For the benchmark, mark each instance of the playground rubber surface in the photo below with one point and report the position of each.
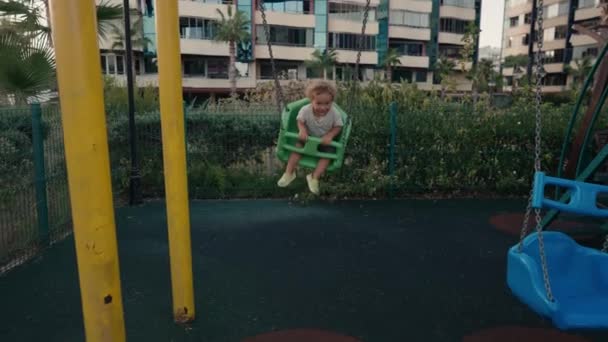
(276, 271)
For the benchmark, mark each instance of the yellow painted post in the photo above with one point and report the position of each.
(88, 168)
(174, 157)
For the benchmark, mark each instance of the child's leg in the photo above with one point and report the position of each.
(289, 174)
(293, 160)
(321, 167)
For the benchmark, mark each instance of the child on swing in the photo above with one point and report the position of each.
(317, 119)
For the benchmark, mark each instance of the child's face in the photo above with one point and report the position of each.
(321, 103)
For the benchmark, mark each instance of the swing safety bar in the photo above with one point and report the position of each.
(583, 196)
(311, 147)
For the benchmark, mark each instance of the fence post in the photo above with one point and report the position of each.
(391, 161)
(40, 174)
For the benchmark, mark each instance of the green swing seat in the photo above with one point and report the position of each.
(288, 137)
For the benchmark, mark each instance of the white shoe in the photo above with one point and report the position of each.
(313, 184)
(286, 179)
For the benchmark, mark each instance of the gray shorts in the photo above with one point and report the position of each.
(322, 148)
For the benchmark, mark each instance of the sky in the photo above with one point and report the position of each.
(491, 22)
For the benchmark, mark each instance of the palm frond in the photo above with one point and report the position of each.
(107, 13)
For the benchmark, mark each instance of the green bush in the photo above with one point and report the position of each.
(443, 146)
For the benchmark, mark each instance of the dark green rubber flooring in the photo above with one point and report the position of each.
(383, 271)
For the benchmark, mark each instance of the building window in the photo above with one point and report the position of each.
(553, 56)
(197, 28)
(459, 3)
(194, 66)
(528, 18)
(217, 68)
(285, 70)
(350, 11)
(289, 6)
(452, 25)
(556, 10)
(349, 41)
(525, 39)
(408, 48)
(410, 19)
(513, 21)
(588, 3)
(561, 32)
(112, 64)
(450, 51)
(284, 35)
(558, 79)
(409, 75)
(579, 52)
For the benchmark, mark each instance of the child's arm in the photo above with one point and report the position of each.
(302, 131)
(327, 138)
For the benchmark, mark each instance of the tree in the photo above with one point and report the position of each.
(232, 29)
(580, 71)
(322, 61)
(443, 70)
(138, 40)
(27, 17)
(391, 59)
(27, 68)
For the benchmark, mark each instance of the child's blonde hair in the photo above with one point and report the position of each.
(317, 87)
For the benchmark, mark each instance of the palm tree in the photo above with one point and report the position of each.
(580, 71)
(27, 68)
(27, 16)
(138, 40)
(391, 59)
(232, 29)
(444, 68)
(322, 61)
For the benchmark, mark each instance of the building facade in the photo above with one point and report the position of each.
(419, 30)
(563, 46)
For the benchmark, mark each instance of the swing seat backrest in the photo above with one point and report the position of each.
(288, 138)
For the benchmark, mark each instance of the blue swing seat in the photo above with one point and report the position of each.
(583, 196)
(578, 277)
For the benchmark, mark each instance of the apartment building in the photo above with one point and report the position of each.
(562, 45)
(420, 30)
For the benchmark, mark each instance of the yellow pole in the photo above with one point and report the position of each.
(174, 156)
(88, 168)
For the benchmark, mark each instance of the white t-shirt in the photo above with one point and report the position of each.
(318, 126)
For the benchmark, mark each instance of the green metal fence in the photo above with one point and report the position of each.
(34, 201)
(231, 154)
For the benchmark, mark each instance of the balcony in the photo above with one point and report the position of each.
(194, 82)
(197, 8)
(286, 19)
(350, 26)
(407, 32)
(414, 61)
(451, 38)
(413, 5)
(203, 47)
(350, 56)
(292, 53)
(587, 13)
(457, 12)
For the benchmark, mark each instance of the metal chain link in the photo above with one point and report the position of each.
(605, 246)
(361, 37)
(277, 84)
(355, 77)
(540, 74)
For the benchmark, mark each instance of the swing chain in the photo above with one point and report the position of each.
(361, 37)
(605, 246)
(540, 73)
(277, 84)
